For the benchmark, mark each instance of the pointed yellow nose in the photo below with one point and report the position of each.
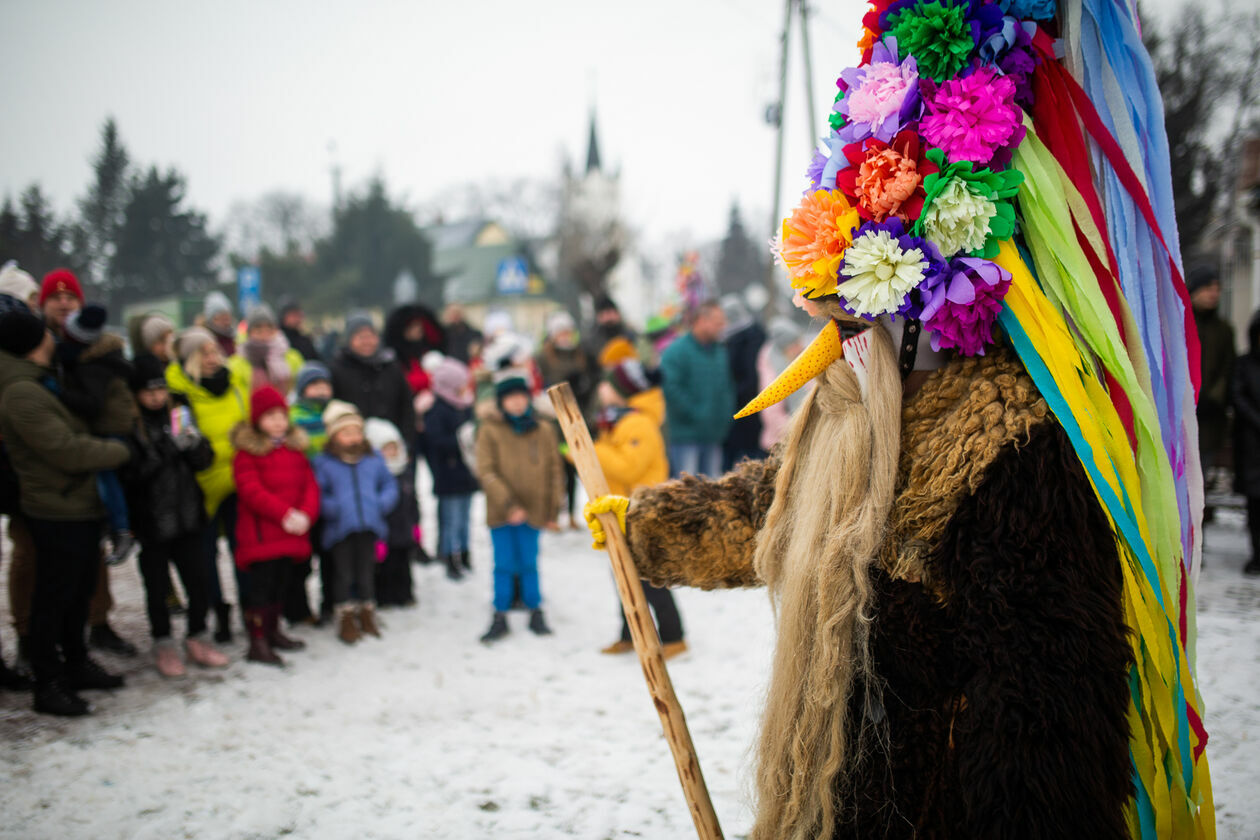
(813, 360)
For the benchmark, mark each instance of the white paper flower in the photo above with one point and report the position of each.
(879, 273)
(957, 219)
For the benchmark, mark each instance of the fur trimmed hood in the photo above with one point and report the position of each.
(102, 347)
(248, 439)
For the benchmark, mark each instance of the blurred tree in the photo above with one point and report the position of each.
(32, 235)
(1206, 69)
(161, 248)
(527, 207)
(101, 210)
(283, 223)
(740, 262)
(377, 239)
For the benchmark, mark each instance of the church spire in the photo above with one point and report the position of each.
(592, 149)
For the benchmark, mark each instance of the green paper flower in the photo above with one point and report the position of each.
(939, 36)
(967, 210)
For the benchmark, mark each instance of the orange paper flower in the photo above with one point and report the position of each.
(814, 239)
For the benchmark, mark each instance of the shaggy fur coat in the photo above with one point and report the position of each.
(999, 631)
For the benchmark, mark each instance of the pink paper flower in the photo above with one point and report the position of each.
(973, 117)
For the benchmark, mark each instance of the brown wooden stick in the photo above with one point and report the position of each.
(642, 629)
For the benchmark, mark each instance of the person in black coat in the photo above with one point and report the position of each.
(291, 322)
(462, 342)
(744, 340)
(1246, 400)
(368, 377)
(453, 481)
(168, 512)
(411, 331)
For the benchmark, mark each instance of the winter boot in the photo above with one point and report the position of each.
(166, 657)
(498, 628)
(367, 619)
(347, 627)
(465, 560)
(223, 623)
(54, 697)
(13, 679)
(538, 624)
(453, 570)
(86, 675)
(205, 654)
(671, 649)
(103, 637)
(123, 542)
(275, 636)
(259, 649)
(419, 555)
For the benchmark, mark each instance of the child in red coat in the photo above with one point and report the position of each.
(278, 500)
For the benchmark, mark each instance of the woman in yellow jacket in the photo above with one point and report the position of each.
(218, 397)
(631, 451)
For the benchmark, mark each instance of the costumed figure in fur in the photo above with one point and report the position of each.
(981, 531)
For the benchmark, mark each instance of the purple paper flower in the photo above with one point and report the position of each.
(815, 170)
(880, 97)
(961, 305)
(1009, 50)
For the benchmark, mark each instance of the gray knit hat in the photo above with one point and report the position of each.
(311, 372)
(261, 315)
(191, 340)
(153, 328)
(359, 320)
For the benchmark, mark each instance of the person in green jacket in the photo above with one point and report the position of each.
(219, 399)
(699, 395)
(56, 462)
(312, 390)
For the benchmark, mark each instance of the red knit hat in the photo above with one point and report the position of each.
(263, 400)
(57, 281)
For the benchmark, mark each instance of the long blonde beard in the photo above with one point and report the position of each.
(822, 534)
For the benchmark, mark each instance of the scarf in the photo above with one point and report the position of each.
(217, 384)
(522, 423)
(267, 359)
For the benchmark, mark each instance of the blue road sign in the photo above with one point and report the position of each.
(248, 288)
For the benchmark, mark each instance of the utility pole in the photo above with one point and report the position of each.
(774, 115)
(777, 111)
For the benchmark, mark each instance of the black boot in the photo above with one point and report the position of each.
(12, 679)
(103, 637)
(498, 628)
(85, 675)
(453, 571)
(53, 697)
(465, 560)
(538, 624)
(223, 623)
(419, 555)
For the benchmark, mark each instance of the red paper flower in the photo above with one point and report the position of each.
(886, 179)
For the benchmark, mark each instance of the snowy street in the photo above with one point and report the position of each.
(426, 733)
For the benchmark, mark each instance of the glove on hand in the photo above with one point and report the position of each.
(604, 504)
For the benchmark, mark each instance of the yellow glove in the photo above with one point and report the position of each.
(604, 504)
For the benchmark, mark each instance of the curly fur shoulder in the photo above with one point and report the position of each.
(246, 438)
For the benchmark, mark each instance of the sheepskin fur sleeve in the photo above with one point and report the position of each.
(694, 531)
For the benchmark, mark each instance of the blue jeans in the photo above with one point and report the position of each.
(515, 556)
(453, 514)
(695, 458)
(110, 489)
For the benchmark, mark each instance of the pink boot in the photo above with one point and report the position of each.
(166, 657)
(205, 654)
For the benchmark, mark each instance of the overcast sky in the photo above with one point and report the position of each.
(248, 97)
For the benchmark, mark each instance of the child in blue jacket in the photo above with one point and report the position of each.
(357, 493)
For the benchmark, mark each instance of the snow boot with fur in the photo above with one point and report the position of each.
(367, 619)
(347, 626)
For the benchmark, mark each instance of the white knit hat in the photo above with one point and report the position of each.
(338, 414)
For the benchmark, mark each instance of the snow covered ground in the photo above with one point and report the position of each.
(428, 734)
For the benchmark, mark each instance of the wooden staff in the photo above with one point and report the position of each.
(647, 644)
